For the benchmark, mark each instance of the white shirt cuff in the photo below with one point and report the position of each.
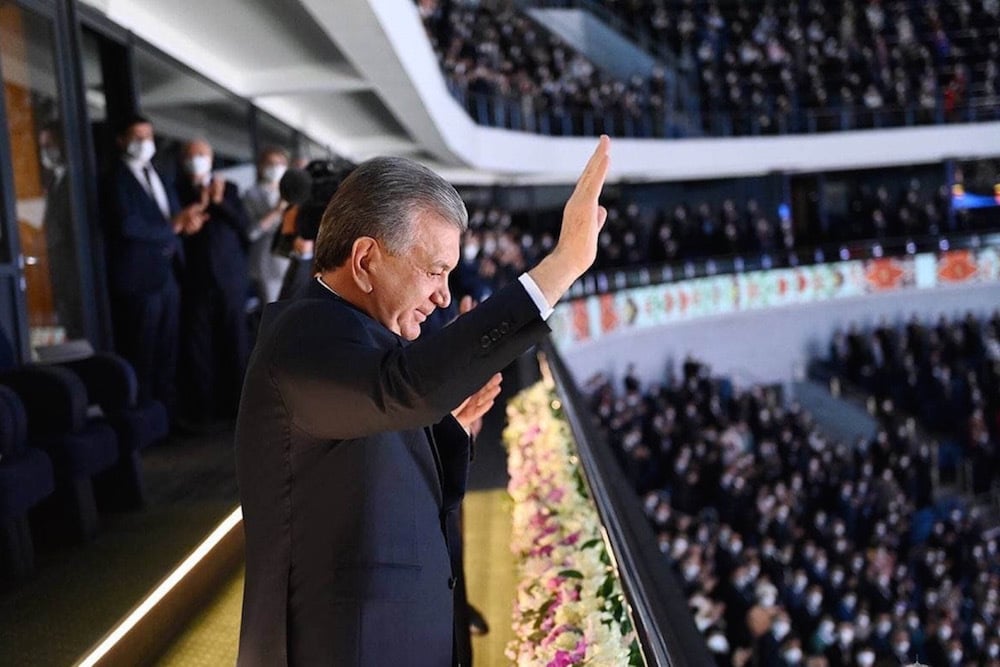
(531, 287)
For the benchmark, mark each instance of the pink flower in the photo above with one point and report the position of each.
(562, 659)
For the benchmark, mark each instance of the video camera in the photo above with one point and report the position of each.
(311, 190)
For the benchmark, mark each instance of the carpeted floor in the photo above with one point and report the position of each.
(211, 637)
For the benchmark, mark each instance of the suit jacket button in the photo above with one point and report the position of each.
(504, 327)
(484, 341)
(452, 581)
(495, 335)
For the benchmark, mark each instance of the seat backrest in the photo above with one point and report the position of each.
(13, 423)
(8, 359)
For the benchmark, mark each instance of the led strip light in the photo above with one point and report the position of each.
(162, 589)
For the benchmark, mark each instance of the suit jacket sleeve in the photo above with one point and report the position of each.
(338, 382)
(132, 214)
(232, 212)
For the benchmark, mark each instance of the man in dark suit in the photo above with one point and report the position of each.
(57, 223)
(143, 222)
(352, 447)
(216, 284)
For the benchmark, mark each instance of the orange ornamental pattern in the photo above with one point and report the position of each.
(957, 266)
(885, 275)
(623, 312)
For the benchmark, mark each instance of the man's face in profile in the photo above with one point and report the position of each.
(408, 287)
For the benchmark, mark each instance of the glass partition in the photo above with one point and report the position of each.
(45, 217)
(183, 106)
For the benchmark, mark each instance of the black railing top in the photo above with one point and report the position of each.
(660, 612)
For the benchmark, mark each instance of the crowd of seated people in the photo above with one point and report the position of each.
(782, 67)
(793, 549)
(860, 64)
(635, 235)
(946, 375)
(492, 51)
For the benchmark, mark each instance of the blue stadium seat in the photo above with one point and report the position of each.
(80, 445)
(112, 387)
(25, 479)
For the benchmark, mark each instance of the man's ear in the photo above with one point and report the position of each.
(365, 259)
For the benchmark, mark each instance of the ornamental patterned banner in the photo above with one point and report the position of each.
(593, 317)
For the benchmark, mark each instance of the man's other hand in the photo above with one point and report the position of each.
(470, 413)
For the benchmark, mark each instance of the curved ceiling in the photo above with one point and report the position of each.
(360, 77)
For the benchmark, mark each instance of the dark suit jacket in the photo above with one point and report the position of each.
(349, 463)
(217, 255)
(142, 247)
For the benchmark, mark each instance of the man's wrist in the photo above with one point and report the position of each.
(531, 287)
(553, 276)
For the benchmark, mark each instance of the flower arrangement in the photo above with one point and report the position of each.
(569, 608)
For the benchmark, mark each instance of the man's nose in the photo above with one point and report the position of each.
(442, 297)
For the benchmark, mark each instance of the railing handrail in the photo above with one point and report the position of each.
(798, 120)
(660, 612)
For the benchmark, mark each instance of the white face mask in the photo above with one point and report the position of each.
(141, 150)
(866, 659)
(51, 157)
(198, 165)
(793, 656)
(718, 644)
(272, 173)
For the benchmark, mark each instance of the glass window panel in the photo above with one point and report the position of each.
(93, 78)
(41, 179)
(183, 106)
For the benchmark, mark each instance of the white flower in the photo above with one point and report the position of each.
(557, 537)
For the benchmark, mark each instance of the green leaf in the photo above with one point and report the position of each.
(571, 574)
(635, 655)
(543, 611)
(606, 588)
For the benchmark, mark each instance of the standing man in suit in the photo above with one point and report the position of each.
(214, 327)
(352, 444)
(143, 224)
(57, 223)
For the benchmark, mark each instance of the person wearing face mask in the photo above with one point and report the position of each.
(791, 653)
(264, 207)
(719, 647)
(841, 652)
(144, 223)
(865, 657)
(937, 645)
(214, 329)
(57, 225)
(768, 646)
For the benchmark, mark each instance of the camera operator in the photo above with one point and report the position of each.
(308, 192)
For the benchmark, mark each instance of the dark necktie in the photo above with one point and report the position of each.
(149, 182)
